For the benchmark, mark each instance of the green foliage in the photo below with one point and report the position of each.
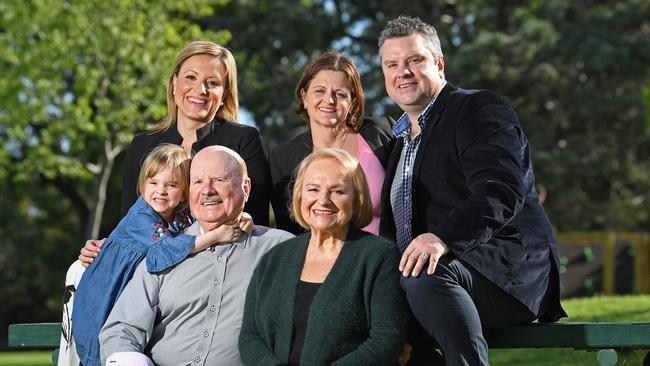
(78, 79)
(576, 72)
(77, 75)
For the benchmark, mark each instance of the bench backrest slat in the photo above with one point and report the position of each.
(35, 335)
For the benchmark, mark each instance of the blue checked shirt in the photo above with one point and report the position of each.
(401, 192)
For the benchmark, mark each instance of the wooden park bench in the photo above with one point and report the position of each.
(36, 336)
(615, 343)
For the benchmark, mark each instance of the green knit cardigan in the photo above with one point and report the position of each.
(358, 316)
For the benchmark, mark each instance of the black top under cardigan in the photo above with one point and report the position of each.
(285, 158)
(358, 316)
(243, 139)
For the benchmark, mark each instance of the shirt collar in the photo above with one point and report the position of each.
(171, 134)
(402, 127)
(204, 131)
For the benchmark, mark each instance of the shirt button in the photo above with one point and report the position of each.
(197, 359)
(216, 282)
(205, 334)
(219, 258)
(213, 308)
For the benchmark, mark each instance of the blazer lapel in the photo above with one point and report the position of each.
(434, 118)
(387, 222)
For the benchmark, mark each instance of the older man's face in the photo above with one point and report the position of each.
(217, 190)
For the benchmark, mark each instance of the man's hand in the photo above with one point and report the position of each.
(90, 251)
(426, 248)
(405, 356)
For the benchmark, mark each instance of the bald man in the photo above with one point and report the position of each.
(191, 314)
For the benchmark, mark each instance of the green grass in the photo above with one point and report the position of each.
(593, 309)
(29, 358)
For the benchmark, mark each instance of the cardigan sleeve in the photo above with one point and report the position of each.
(252, 348)
(388, 320)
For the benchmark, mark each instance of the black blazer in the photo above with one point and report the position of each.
(243, 139)
(473, 186)
(285, 158)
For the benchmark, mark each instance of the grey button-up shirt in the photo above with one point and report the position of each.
(190, 314)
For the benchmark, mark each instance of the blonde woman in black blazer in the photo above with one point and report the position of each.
(330, 97)
(202, 109)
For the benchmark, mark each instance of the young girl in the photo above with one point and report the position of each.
(152, 229)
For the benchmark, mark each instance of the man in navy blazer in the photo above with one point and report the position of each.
(459, 199)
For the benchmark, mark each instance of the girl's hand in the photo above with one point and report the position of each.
(246, 222)
(226, 233)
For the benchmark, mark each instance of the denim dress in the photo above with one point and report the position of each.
(140, 234)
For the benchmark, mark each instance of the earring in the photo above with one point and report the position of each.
(174, 92)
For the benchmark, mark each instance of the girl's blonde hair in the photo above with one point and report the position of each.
(166, 156)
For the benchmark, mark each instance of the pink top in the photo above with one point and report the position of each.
(375, 175)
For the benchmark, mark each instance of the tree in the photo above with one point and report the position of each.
(577, 85)
(78, 79)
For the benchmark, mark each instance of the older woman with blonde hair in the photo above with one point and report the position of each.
(331, 295)
(202, 108)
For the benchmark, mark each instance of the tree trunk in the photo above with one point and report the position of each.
(94, 220)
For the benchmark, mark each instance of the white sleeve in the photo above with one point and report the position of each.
(128, 359)
(67, 351)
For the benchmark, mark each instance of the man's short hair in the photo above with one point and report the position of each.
(404, 26)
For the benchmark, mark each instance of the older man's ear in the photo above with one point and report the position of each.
(247, 188)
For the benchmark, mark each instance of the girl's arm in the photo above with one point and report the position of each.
(225, 233)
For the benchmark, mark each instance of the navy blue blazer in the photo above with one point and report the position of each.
(285, 158)
(474, 187)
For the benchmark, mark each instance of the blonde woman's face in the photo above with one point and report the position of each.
(327, 202)
(198, 89)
